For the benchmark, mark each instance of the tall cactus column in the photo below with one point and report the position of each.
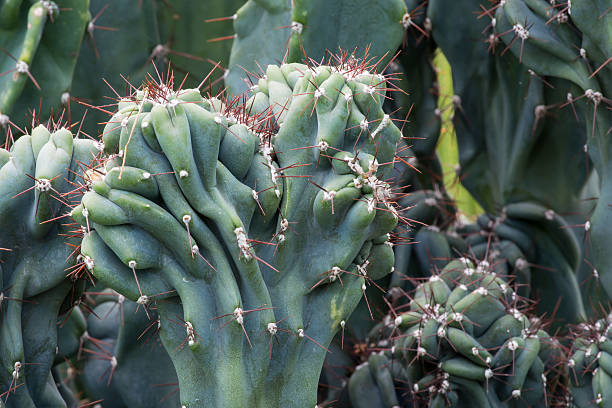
(35, 177)
(267, 219)
(39, 45)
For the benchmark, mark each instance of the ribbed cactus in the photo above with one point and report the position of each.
(590, 375)
(542, 37)
(418, 104)
(125, 39)
(572, 40)
(39, 177)
(252, 236)
(464, 341)
(122, 359)
(298, 30)
(515, 136)
(267, 219)
(535, 246)
(39, 45)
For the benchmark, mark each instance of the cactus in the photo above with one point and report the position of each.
(573, 41)
(298, 30)
(508, 150)
(534, 246)
(299, 169)
(418, 103)
(590, 374)
(125, 364)
(38, 177)
(127, 38)
(464, 341)
(39, 42)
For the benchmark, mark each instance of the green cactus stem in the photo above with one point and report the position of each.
(266, 219)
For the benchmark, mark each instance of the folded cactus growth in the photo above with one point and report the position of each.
(259, 224)
(590, 375)
(39, 179)
(465, 341)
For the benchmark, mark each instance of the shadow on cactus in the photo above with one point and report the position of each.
(39, 45)
(121, 356)
(40, 178)
(590, 375)
(254, 225)
(465, 340)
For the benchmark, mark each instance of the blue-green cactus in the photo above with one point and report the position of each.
(298, 30)
(465, 341)
(590, 375)
(38, 177)
(509, 120)
(547, 42)
(123, 361)
(267, 219)
(39, 44)
(125, 39)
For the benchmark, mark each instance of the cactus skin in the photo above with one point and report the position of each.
(312, 28)
(550, 49)
(144, 375)
(144, 33)
(35, 259)
(589, 370)
(45, 38)
(585, 53)
(464, 342)
(516, 134)
(501, 113)
(210, 176)
(69, 334)
(533, 246)
(419, 101)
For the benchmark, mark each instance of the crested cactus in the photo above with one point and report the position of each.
(266, 219)
(533, 245)
(298, 30)
(464, 341)
(39, 44)
(248, 236)
(590, 375)
(38, 178)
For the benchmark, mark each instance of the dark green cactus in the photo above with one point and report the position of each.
(464, 341)
(417, 248)
(39, 45)
(508, 119)
(296, 30)
(125, 364)
(299, 169)
(126, 38)
(418, 103)
(573, 41)
(536, 248)
(38, 177)
(590, 375)
(543, 39)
